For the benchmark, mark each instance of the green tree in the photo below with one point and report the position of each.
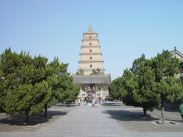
(27, 99)
(130, 86)
(10, 64)
(136, 86)
(39, 80)
(24, 88)
(168, 85)
(150, 83)
(144, 76)
(60, 81)
(29, 85)
(116, 89)
(80, 72)
(70, 91)
(71, 94)
(56, 75)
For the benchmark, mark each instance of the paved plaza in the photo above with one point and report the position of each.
(101, 121)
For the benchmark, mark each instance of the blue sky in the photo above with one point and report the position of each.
(127, 28)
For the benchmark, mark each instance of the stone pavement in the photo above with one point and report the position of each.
(87, 121)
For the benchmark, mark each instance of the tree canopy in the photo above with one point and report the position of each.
(149, 83)
(30, 84)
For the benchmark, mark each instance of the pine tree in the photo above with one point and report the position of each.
(144, 76)
(24, 87)
(116, 89)
(10, 63)
(168, 85)
(60, 81)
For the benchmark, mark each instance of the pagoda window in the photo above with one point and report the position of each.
(90, 58)
(90, 37)
(90, 66)
(90, 51)
(90, 43)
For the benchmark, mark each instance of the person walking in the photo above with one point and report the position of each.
(181, 110)
(93, 102)
(79, 101)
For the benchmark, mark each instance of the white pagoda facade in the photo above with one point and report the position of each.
(90, 56)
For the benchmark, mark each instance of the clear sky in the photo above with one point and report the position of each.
(127, 28)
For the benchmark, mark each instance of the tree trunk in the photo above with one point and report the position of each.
(145, 111)
(27, 116)
(162, 112)
(45, 110)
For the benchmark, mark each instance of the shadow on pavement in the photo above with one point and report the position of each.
(34, 119)
(64, 105)
(125, 115)
(111, 104)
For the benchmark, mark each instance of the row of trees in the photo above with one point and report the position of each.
(30, 84)
(149, 83)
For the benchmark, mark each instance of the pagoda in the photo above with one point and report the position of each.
(91, 73)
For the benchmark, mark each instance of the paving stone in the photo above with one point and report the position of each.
(87, 121)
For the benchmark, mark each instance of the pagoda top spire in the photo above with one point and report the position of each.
(90, 29)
